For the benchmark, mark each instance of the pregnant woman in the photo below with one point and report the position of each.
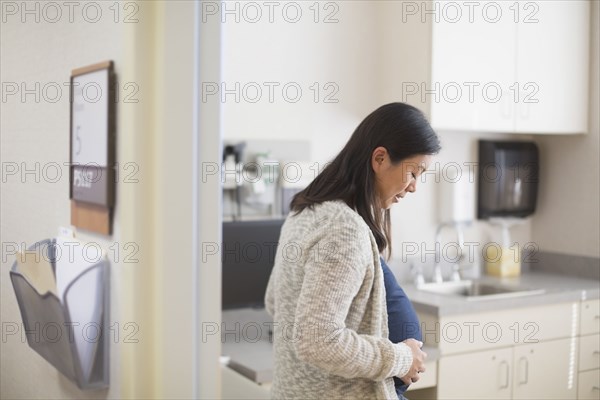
(402, 319)
(332, 301)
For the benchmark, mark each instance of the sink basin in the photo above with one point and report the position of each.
(474, 290)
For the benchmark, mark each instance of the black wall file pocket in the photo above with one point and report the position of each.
(71, 334)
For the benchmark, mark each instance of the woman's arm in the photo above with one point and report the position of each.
(333, 276)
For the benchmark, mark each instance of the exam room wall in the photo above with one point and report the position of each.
(341, 53)
(368, 55)
(37, 133)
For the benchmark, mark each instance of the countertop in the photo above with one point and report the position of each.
(557, 289)
(246, 337)
(248, 347)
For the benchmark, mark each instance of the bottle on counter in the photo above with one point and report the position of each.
(502, 261)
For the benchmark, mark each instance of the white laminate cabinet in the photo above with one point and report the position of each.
(470, 61)
(502, 328)
(589, 352)
(590, 316)
(514, 66)
(480, 375)
(545, 370)
(520, 353)
(552, 67)
(589, 385)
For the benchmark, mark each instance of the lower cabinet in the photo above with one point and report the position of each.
(545, 370)
(589, 385)
(480, 375)
(589, 351)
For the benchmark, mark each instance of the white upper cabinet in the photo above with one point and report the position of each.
(473, 63)
(510, 66)
(553, 54)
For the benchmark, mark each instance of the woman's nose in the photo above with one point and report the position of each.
(412, 187)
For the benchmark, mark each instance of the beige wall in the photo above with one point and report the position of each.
(36, 131)
(156, 133)
(568, 218)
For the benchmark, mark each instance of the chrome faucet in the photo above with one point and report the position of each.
(437, 269)
(417, 272)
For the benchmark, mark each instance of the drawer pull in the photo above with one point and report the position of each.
(596, 388)
(596, 352)
(523, 361)
(597, 317)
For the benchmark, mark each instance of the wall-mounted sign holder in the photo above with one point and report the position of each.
(67, 321)
(92, 147)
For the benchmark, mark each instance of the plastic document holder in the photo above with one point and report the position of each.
(73, 340)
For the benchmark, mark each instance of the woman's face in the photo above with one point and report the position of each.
(393, 181)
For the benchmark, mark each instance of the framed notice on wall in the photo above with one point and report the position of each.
(92, 147)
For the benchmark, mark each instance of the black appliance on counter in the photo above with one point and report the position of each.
(248, 255)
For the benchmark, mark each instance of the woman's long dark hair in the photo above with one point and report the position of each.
(404, 131)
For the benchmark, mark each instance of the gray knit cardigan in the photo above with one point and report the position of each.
(327, 298)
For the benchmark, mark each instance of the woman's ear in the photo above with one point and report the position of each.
(378, 157)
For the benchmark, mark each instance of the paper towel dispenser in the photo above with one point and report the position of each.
(508, 179)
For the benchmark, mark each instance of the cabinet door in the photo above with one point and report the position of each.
(552, 66)
(589, 385)
(473, 67)
(589, 352)
(590, 316)
(546, 370)
(481, 375)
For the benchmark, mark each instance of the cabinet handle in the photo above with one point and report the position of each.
(596, 316)
(596, 388)
(596, 352)
(506, 382)
(526, 380)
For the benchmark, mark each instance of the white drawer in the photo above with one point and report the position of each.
(463, 333)
(589, 385)
(589, 352)
(590, 316)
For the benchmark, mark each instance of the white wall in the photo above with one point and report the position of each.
(343, 53)
(368, 53)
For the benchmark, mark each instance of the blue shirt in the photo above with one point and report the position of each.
(403, 322)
